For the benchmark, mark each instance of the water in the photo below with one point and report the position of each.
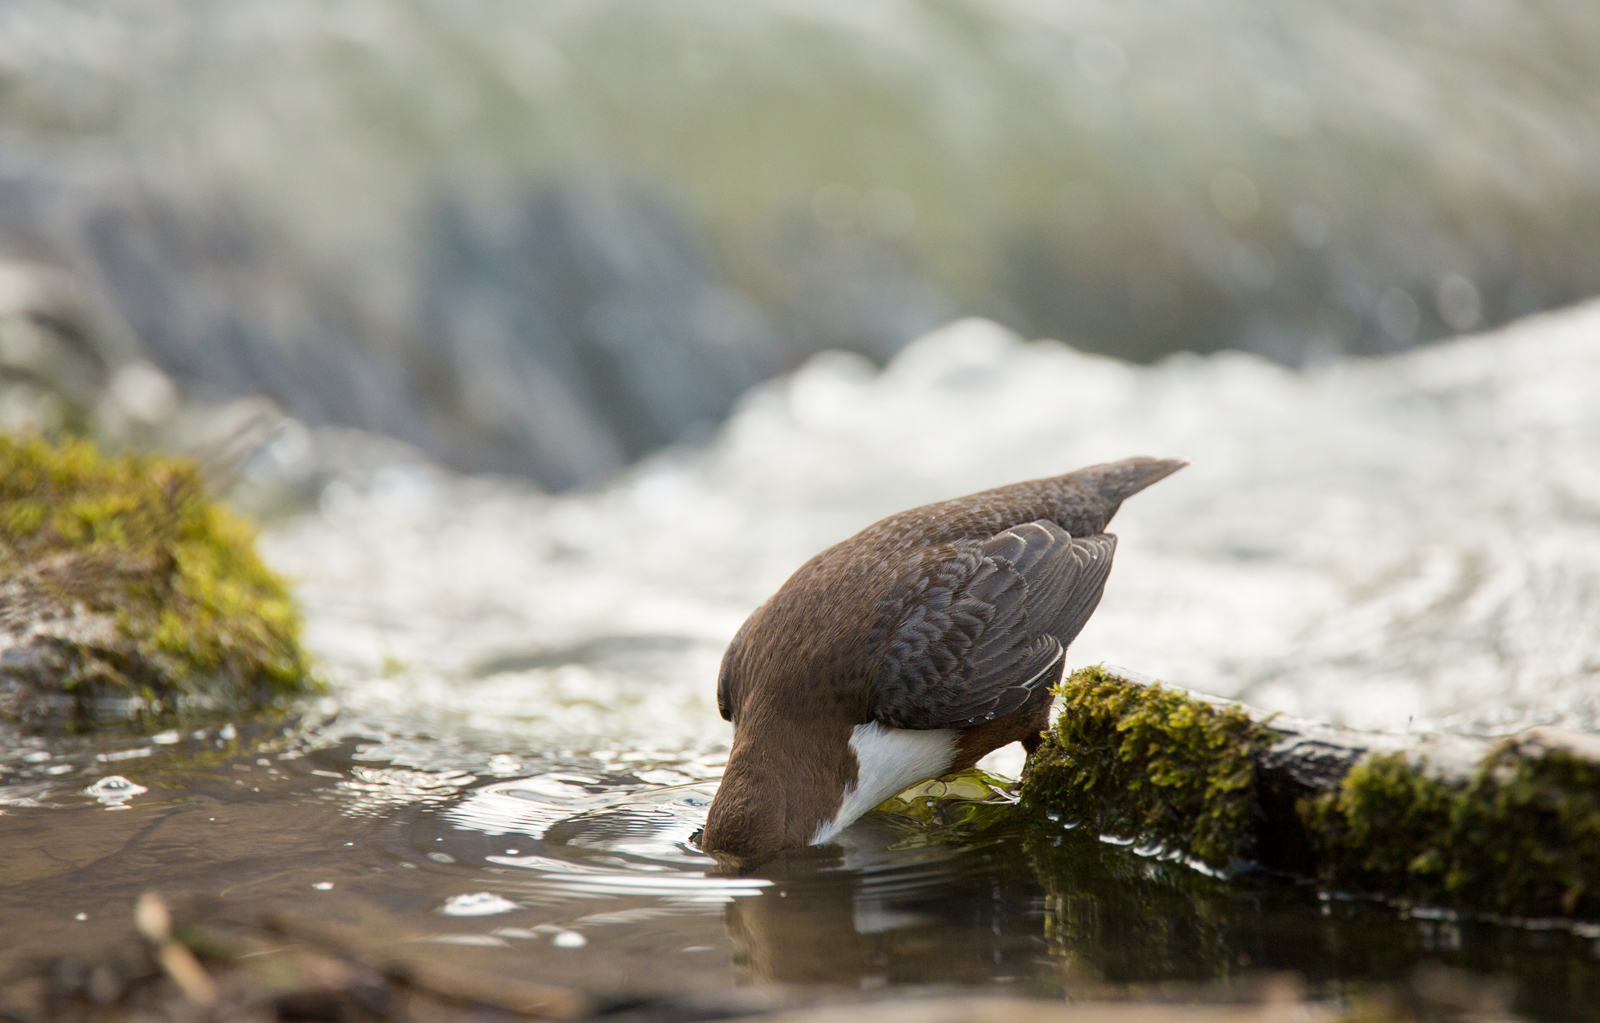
(1410, 540)
(547, 239)
(574, 869)
(521, 734)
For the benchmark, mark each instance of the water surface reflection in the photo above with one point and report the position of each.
(577, 869)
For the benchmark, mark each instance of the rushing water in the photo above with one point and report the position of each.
(545, 239)
(521, 734)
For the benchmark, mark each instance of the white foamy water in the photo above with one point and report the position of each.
(1408, 540)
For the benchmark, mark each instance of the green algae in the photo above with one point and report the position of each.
(1521, 837)
(125, 584)
(950, 808)
(1150, 764)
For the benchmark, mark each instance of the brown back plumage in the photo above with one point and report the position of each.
(950, 615)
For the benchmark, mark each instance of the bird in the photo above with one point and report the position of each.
(909, 651)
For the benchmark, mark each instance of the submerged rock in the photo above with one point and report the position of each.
(127, 594)
(1509, 826)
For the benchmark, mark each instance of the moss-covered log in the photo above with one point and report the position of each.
(126, 593)
(1508, 825)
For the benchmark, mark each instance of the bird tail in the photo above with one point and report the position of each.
(1115, 482)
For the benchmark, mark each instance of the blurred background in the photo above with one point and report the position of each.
(547, 339)
(546, 239)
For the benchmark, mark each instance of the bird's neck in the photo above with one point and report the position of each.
(802, 784)
(781, 785)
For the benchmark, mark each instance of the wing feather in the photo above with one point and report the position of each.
(972, 630)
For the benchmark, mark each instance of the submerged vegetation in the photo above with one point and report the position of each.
(126, 591)
(954, 807)
(1514, 830)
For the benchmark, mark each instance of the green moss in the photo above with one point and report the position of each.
(1521, 838)
(122, 578)
(1150, 764)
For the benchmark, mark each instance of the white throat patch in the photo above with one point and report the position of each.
(888, 760)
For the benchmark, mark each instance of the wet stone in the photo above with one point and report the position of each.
(128, 595)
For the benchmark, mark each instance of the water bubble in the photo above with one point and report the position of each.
(501, 764)
(124, 754)
(482, 940)
(514, 932)
(663, 776)
(323, 886)
(114, 790)
(477, 904)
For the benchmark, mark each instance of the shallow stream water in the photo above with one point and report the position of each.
(521, 734)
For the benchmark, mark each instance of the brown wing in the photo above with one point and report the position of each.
(970, 635)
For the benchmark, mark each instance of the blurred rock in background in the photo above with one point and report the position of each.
(567, 332)
(544, 240)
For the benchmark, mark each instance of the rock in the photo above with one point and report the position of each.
(558, 332)
(1509, 826)
(127, 594)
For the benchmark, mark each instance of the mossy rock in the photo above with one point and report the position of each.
(126, 593)
(1510, 826)
(1520, 837)
(1150, 764)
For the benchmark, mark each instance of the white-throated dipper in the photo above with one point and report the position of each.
(909, 651)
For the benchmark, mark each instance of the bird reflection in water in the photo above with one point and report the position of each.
(869, 911)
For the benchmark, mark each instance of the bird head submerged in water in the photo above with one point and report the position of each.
(909, 651)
